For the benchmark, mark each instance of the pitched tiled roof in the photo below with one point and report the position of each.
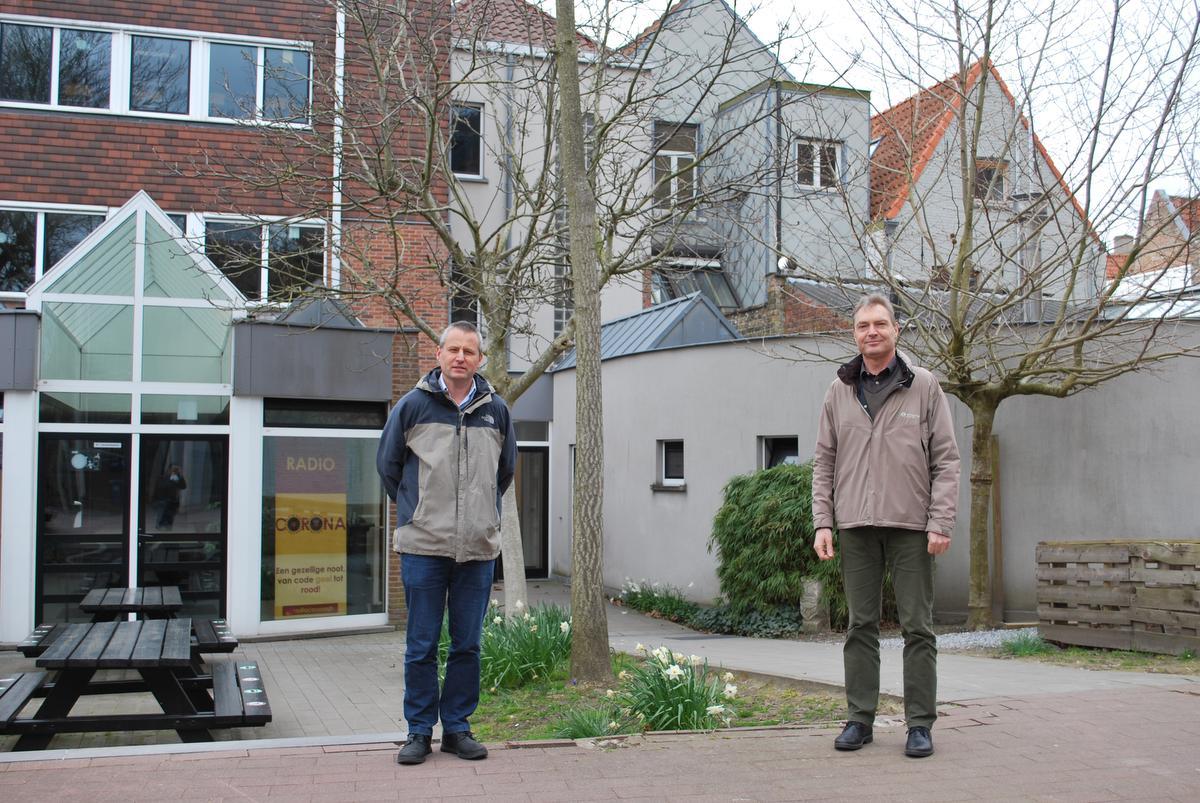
(910, 131)
(1189, 212)
(509, 21)
(631, 49)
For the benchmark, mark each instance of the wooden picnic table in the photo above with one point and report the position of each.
(149, 602)
(160, 651)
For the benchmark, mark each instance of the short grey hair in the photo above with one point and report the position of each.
(872, 300)
(462, 326)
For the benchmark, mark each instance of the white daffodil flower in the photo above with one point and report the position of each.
(564, 627)
(673, 672)
(730, 691)
(713, 710)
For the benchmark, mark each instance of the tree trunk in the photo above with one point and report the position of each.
(512, 554)
(589, 632)
(979, 603)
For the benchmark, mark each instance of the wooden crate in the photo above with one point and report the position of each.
(1129, 595)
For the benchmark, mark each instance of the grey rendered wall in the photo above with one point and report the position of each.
(1114, 462)
(18, 350)
(297, 363)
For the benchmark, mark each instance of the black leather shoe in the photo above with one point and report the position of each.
(463, 745)
(855, 735)
(414, 750)
(920, 743)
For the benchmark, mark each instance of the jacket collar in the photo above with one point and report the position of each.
(849, 372)
(429, 383)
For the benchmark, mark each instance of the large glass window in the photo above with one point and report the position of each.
(186, 344)
(21, 232)
(84, 68)
(160, 75)
(231, 81)
(57, 407)
(323, 528)
(87, 341)
(680, 278)
(25, 62)
(291, 255)
(466, 140)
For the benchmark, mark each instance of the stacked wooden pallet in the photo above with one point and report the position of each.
(1130, 595)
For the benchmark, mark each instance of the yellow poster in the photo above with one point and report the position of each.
(310, 537)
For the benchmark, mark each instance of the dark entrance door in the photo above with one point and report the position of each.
(83, 521)
(533, 500)
(181, 522)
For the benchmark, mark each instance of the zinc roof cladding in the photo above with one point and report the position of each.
(911, 130)
(648, 329)
(1189, 212)
(513, 22)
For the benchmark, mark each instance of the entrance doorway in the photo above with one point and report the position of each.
(86, 533)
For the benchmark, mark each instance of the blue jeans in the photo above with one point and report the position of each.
(429, 584)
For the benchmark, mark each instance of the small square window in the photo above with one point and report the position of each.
(670, 464)
(991, 180)
(818, 162)
(778, 451)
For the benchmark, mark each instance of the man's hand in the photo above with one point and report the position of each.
(938, 543)
(823, 543)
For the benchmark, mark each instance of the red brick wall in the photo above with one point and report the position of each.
(787, 311)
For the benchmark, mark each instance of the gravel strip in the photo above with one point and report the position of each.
(968, 640)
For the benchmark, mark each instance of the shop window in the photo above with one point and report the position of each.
(324, 540)
(670, 466)
(466, 140)
(675, 163)
(160, 75)
(288, 259)
(778, 451)
(817, 162)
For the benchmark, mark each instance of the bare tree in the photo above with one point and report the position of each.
(989, 248)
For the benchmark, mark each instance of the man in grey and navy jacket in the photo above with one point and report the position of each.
(446, 456)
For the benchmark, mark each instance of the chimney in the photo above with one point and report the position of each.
(1122, 244)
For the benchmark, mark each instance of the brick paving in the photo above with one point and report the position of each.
(1128, 744)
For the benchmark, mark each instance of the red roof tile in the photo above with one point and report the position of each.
(1189, 212)
(910, 131)
(509, 21)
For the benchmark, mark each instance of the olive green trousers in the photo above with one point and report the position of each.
(866, 553)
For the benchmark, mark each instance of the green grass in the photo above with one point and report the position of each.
(1025, 645)
(658, 600)
(1032, 647)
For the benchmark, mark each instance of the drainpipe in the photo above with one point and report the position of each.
(339, 88)
(780, 158)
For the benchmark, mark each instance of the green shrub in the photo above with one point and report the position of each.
(763, 535)
(519, 648)
(674, 692)
(658, 599)
(772, 623)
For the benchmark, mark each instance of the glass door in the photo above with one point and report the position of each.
(83, 521)
(182, 482)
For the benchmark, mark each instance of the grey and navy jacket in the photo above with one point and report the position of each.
(447, 470)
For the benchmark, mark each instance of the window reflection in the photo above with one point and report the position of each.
(159, 75)
(25, 63)
(285, 85)
(231, 81)
(18, 249)
(84, 61)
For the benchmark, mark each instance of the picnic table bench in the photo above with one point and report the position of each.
(150, 602)
(208, 636)
(160, 651)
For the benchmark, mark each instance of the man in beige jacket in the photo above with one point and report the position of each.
(886, 473)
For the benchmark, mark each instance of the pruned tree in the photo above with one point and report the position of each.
(989, 248)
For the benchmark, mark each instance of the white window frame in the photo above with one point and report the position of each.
(675, 196)
(480, 107)
(264, 239)
(819, 147)
(1000, 194)
(764, 442)
(39, 258)
(662, 480)
(121, 63)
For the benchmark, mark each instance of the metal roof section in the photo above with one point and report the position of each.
(319, 313)
(686, 321)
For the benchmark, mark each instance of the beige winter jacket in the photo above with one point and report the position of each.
(900, 470)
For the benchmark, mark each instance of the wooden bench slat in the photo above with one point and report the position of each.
(15, 691)
(120, 647)
(206, 634)
(227, 698)
(148, 649)
(171, 598)
(92, 646)
(56, 657)
(93, 598)
(40, 639)
(177, 643)
(152, 598)
(114, 597)
(254, 693)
